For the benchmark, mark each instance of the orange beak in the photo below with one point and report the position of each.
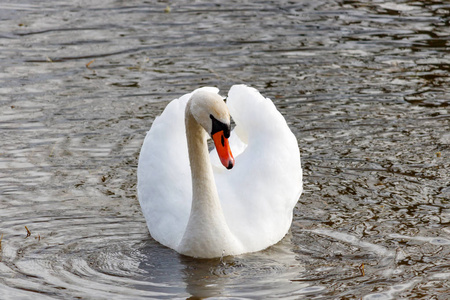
(223, 149)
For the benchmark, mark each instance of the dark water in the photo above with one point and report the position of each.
(364, 85)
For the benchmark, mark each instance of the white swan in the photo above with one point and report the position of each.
(191, 202)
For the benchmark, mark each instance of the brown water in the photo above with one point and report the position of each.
(364, 85)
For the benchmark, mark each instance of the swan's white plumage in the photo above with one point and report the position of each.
(257, 196)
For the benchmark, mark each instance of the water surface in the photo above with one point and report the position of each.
(364, 86)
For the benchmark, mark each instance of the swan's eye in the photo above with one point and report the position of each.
(219, 126)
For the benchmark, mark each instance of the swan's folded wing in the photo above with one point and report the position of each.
(164, 178)
(258, 195)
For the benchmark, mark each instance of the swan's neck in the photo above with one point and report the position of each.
(203, 184)
(207, 233)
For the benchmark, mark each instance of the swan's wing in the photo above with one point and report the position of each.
(164, 178)
(258, 195)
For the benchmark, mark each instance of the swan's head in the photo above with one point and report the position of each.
(211, 112)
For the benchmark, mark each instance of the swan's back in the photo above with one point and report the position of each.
(258, 195)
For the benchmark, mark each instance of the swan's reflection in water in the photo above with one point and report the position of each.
(301, 264)
(250, 275)
(204, 278)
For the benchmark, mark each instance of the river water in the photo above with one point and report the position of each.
(364, 85)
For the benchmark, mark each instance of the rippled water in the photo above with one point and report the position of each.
(364, 85)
